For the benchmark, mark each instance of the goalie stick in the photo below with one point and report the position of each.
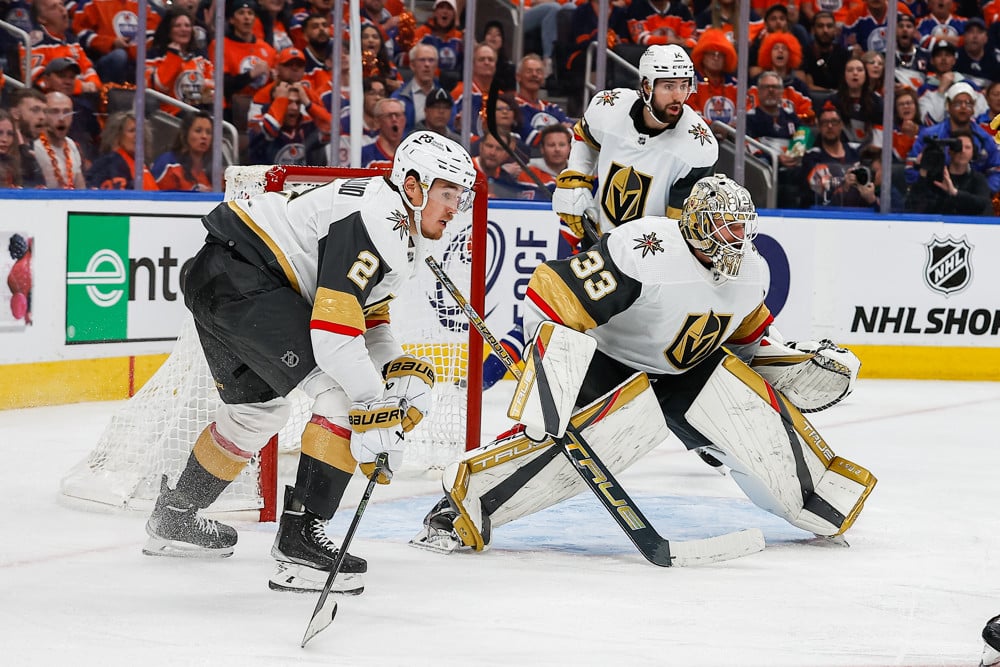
(323, 614)
(653, 547)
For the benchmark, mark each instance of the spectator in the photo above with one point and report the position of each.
(906, 123)
(874, 71)
(935, 89)
(56, 41)
(437, 114)
(940, 24)
(202, 28)
(62, 75)
(555, 143)
(542, 17)
(960, 190)
(912, 62)
(286, 134)
(728, 14)
(776, 22)
(175, 66)
(391, 118)
(501, 171)
(274, 19)
(115, 169)
(536, 113)
(660, 22)
(484, 67)
(993, 104)
(187, 166)
(781, 53)
(10, 156)
(825, 165)
(57, 155)
(247, 61)
(389, 19)
(375, 58)
(863, 183)
(977, 59)
(839, 10)
(493, 35)
(865, 30)
(441, 32)
(413, 94)
(825, 58)
(301, 13)
(775, 127)
(270, 104)
(584, 32)
(508, 121)
(109, 31)
(374, 90)
(27, 108)
(862, 106)
(960, 109)
(714, 60)
(318, 50)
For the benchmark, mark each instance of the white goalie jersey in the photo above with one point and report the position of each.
(639, 171)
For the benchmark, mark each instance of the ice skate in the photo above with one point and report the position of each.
(306, 555)
(991, 645)
(438, 533)
(175, 529)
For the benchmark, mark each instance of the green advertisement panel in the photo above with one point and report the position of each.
(97, 250)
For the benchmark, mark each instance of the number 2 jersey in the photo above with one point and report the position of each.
(648, 301)
(345, 247)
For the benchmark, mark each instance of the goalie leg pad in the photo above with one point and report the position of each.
(775, 455)
(555, 364)
(515, 476)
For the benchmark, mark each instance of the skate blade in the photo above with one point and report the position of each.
(435, 541)
(294, 578)
(156, 546)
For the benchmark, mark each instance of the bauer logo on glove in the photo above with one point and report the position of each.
(363, 420)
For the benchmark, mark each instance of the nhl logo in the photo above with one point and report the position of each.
(948, 269)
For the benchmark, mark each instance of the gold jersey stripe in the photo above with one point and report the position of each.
(673, 213)
(751, 323)
(548, 285)
(327, 447)
(338, 308)
(216, 460)
(583, 132)
(286, 266)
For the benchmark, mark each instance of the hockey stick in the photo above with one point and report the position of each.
(323, 614)
(654, 548)
(491, 126)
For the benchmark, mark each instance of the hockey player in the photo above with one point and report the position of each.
(645, 148)
(676, 310)
(293, 289)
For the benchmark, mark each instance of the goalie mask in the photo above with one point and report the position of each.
(720, 220)
(431, 156)
(664, 61)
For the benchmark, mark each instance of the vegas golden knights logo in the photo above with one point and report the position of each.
(700, 335)
(625, 192)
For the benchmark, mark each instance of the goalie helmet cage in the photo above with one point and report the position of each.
(153, 432)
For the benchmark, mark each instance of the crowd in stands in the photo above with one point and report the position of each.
(815, 77)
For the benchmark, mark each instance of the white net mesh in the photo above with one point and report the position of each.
(153, 432)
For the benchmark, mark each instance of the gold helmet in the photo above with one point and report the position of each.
(720, 220)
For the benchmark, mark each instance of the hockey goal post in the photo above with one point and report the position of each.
(153, 432)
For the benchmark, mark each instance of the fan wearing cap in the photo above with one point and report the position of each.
(933, 94)
(247, 61)
(442, 32)
(54, 41)
(975, 59)
(940, 23)
(437, 114)
(270, 103)
(912, 61)
(108, 30)
(960, 101)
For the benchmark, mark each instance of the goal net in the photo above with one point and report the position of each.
(153, 432)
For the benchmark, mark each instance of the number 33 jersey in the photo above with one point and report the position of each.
(647, 299)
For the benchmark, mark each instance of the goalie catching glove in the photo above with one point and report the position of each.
(572, 198)
(377, 427)
(409, 381)
(813, 375)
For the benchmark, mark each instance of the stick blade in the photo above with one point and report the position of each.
(716, 549)
(321, 618)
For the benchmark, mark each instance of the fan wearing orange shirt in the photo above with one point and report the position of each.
(108, 30)
(247, 61)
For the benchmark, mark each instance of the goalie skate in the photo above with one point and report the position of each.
(176, 529)
(438, 533)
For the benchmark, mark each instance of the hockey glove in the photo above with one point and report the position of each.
(572, 198)
(377, 427)
(409, 381)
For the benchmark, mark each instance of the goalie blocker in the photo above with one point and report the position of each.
(775, 455)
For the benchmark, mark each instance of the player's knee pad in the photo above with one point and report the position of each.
(515, 476)
(775, 455)
(251, 425)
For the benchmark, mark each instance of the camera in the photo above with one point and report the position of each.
(933, 160)
(862, 175)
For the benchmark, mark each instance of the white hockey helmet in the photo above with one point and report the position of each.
(720, 220)
(664, 61)
(430, 156)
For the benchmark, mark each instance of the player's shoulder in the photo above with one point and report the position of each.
(383, 216)
(645, 247)
(609, 105)
(700, 147)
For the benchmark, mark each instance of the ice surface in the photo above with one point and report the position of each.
(562, 587)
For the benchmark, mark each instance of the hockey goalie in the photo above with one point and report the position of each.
(661, 328)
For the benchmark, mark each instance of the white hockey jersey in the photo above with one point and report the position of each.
(647, 299)
(345, 247)
(639, 171)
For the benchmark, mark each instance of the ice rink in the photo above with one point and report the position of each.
(563, 587)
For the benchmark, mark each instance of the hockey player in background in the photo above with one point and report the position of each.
(643, 149)
(293, 290)
(677, 310)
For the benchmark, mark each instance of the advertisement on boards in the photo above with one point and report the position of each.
(15, 270)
